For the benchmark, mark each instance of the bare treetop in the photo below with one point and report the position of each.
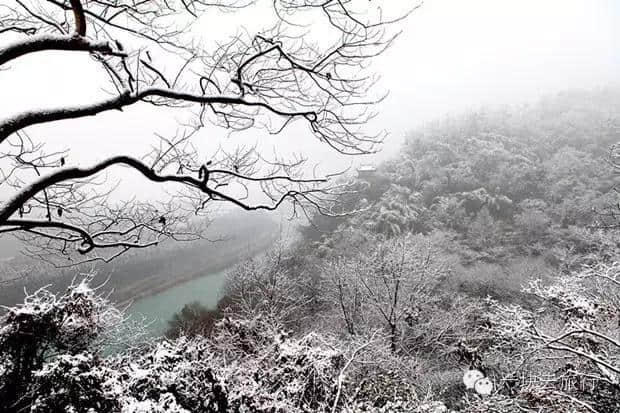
(308, 62)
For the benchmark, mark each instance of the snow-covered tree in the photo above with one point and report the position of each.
(385, 284)
(564, 350)
(46, 328)
(52, 360)
(300, 62)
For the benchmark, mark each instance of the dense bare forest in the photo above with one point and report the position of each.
(479, 273)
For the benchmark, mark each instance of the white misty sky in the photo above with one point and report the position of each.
(453, 55)
(457, 55)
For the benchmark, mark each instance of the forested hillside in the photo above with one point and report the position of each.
(478, 273)
(531, 180)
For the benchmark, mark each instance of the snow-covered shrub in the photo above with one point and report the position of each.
(535, 399)
(271, 372)
(51, 360)
(41, 328)
(398, 406)
(180, 374)
(255, 366)
(75, 383)
(566, 348)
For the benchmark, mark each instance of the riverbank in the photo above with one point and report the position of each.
(154, 270)
(158, 284)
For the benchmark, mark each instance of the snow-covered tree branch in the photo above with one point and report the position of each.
(158, 53)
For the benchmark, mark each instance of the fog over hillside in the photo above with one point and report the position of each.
(310, 206)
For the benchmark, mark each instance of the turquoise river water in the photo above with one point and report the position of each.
(158, 308)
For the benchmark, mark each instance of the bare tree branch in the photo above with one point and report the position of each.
(40, 43)
(80, 19)
(308, 62)
(24, 120)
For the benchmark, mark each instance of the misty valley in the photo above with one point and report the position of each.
(309, 206)
(478, 222)
(161, 282)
